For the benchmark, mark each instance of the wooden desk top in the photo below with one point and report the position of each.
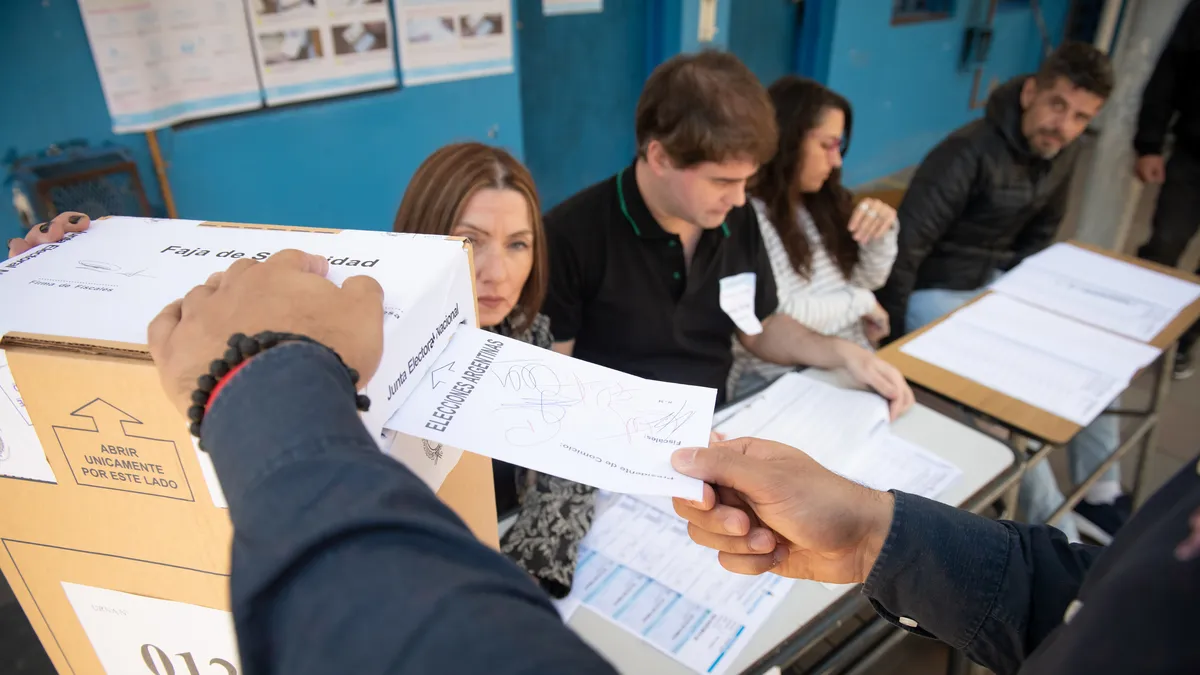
(1030, 420)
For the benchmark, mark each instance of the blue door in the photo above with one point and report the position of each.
(580, 79)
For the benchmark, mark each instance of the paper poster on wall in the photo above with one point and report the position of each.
(166, 61)
(441, 41)
(309, 49)
(136, 634)
(21, 454)
(556, 7)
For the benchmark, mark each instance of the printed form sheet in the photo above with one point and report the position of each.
(166, 61)
(443, 40)
(846, 430)
(138, 634)
(1057, 364)
(638, 568)
(309, 49)
(1098, 290)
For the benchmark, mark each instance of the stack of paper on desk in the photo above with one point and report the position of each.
(825, 421)
(1099, 290)
(1057, 364)
(639, 569)
(847, 431)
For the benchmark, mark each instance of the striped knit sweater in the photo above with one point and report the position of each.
(827, 303)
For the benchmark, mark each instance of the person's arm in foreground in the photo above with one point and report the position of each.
(343, 560)
(992, 589)
(936, 198)
(785, 340)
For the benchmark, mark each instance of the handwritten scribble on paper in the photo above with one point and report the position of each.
(541, 400)
(110, 268)
(528, 406)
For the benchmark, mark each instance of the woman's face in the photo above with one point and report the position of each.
(821, 151)
(500, 227)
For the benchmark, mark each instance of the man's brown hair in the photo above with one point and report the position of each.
(438, 192)
(706, 107)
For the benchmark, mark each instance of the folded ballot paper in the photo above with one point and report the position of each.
(442, 386)
(536, 408)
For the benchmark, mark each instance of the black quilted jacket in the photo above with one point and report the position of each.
(980, 201)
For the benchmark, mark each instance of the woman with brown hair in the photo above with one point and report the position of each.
(484, 194)
(827, 254)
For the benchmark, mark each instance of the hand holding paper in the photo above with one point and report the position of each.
(532, 407)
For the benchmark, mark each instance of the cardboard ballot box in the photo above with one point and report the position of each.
(113, 533)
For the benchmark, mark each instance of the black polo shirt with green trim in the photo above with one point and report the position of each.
(620, 289)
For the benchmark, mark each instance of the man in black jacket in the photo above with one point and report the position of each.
(990, 194)
(1173, 88)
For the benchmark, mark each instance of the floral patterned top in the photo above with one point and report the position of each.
(555, 513)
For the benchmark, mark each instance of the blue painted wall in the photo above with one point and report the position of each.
(762, 34)
(905, 83)
(52, 91)
(581, 76)
(336, 163)
(580, 81)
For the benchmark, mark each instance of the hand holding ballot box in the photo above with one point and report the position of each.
(105, 490)
(122, 507)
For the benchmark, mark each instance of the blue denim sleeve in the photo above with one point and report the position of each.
(992, 589)
(343, 560)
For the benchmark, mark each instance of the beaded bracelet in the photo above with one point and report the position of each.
(241, 348)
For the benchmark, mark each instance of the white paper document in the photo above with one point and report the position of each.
(639, 569)
(136, 634)
(1098, 290)
(532, 407)
(1062, 366)
(311, 49)
(845, 430)
(896, 464)
(167, 61)
(210, 476)
(431, 461)
(109, 282)
(442, 40)
(737, 301)
(826, 422)
(21, 454)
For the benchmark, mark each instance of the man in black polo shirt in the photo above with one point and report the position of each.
(654, 271)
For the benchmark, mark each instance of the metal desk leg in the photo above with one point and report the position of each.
(1150, 444)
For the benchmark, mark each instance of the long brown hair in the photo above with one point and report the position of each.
(438, 192)
(800, 103)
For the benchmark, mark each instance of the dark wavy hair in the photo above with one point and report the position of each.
(1085, 66)
(800, 103)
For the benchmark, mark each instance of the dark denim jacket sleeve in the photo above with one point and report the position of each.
(343, 560)
(992, 589)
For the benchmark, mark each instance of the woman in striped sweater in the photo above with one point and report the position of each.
(828, 255)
